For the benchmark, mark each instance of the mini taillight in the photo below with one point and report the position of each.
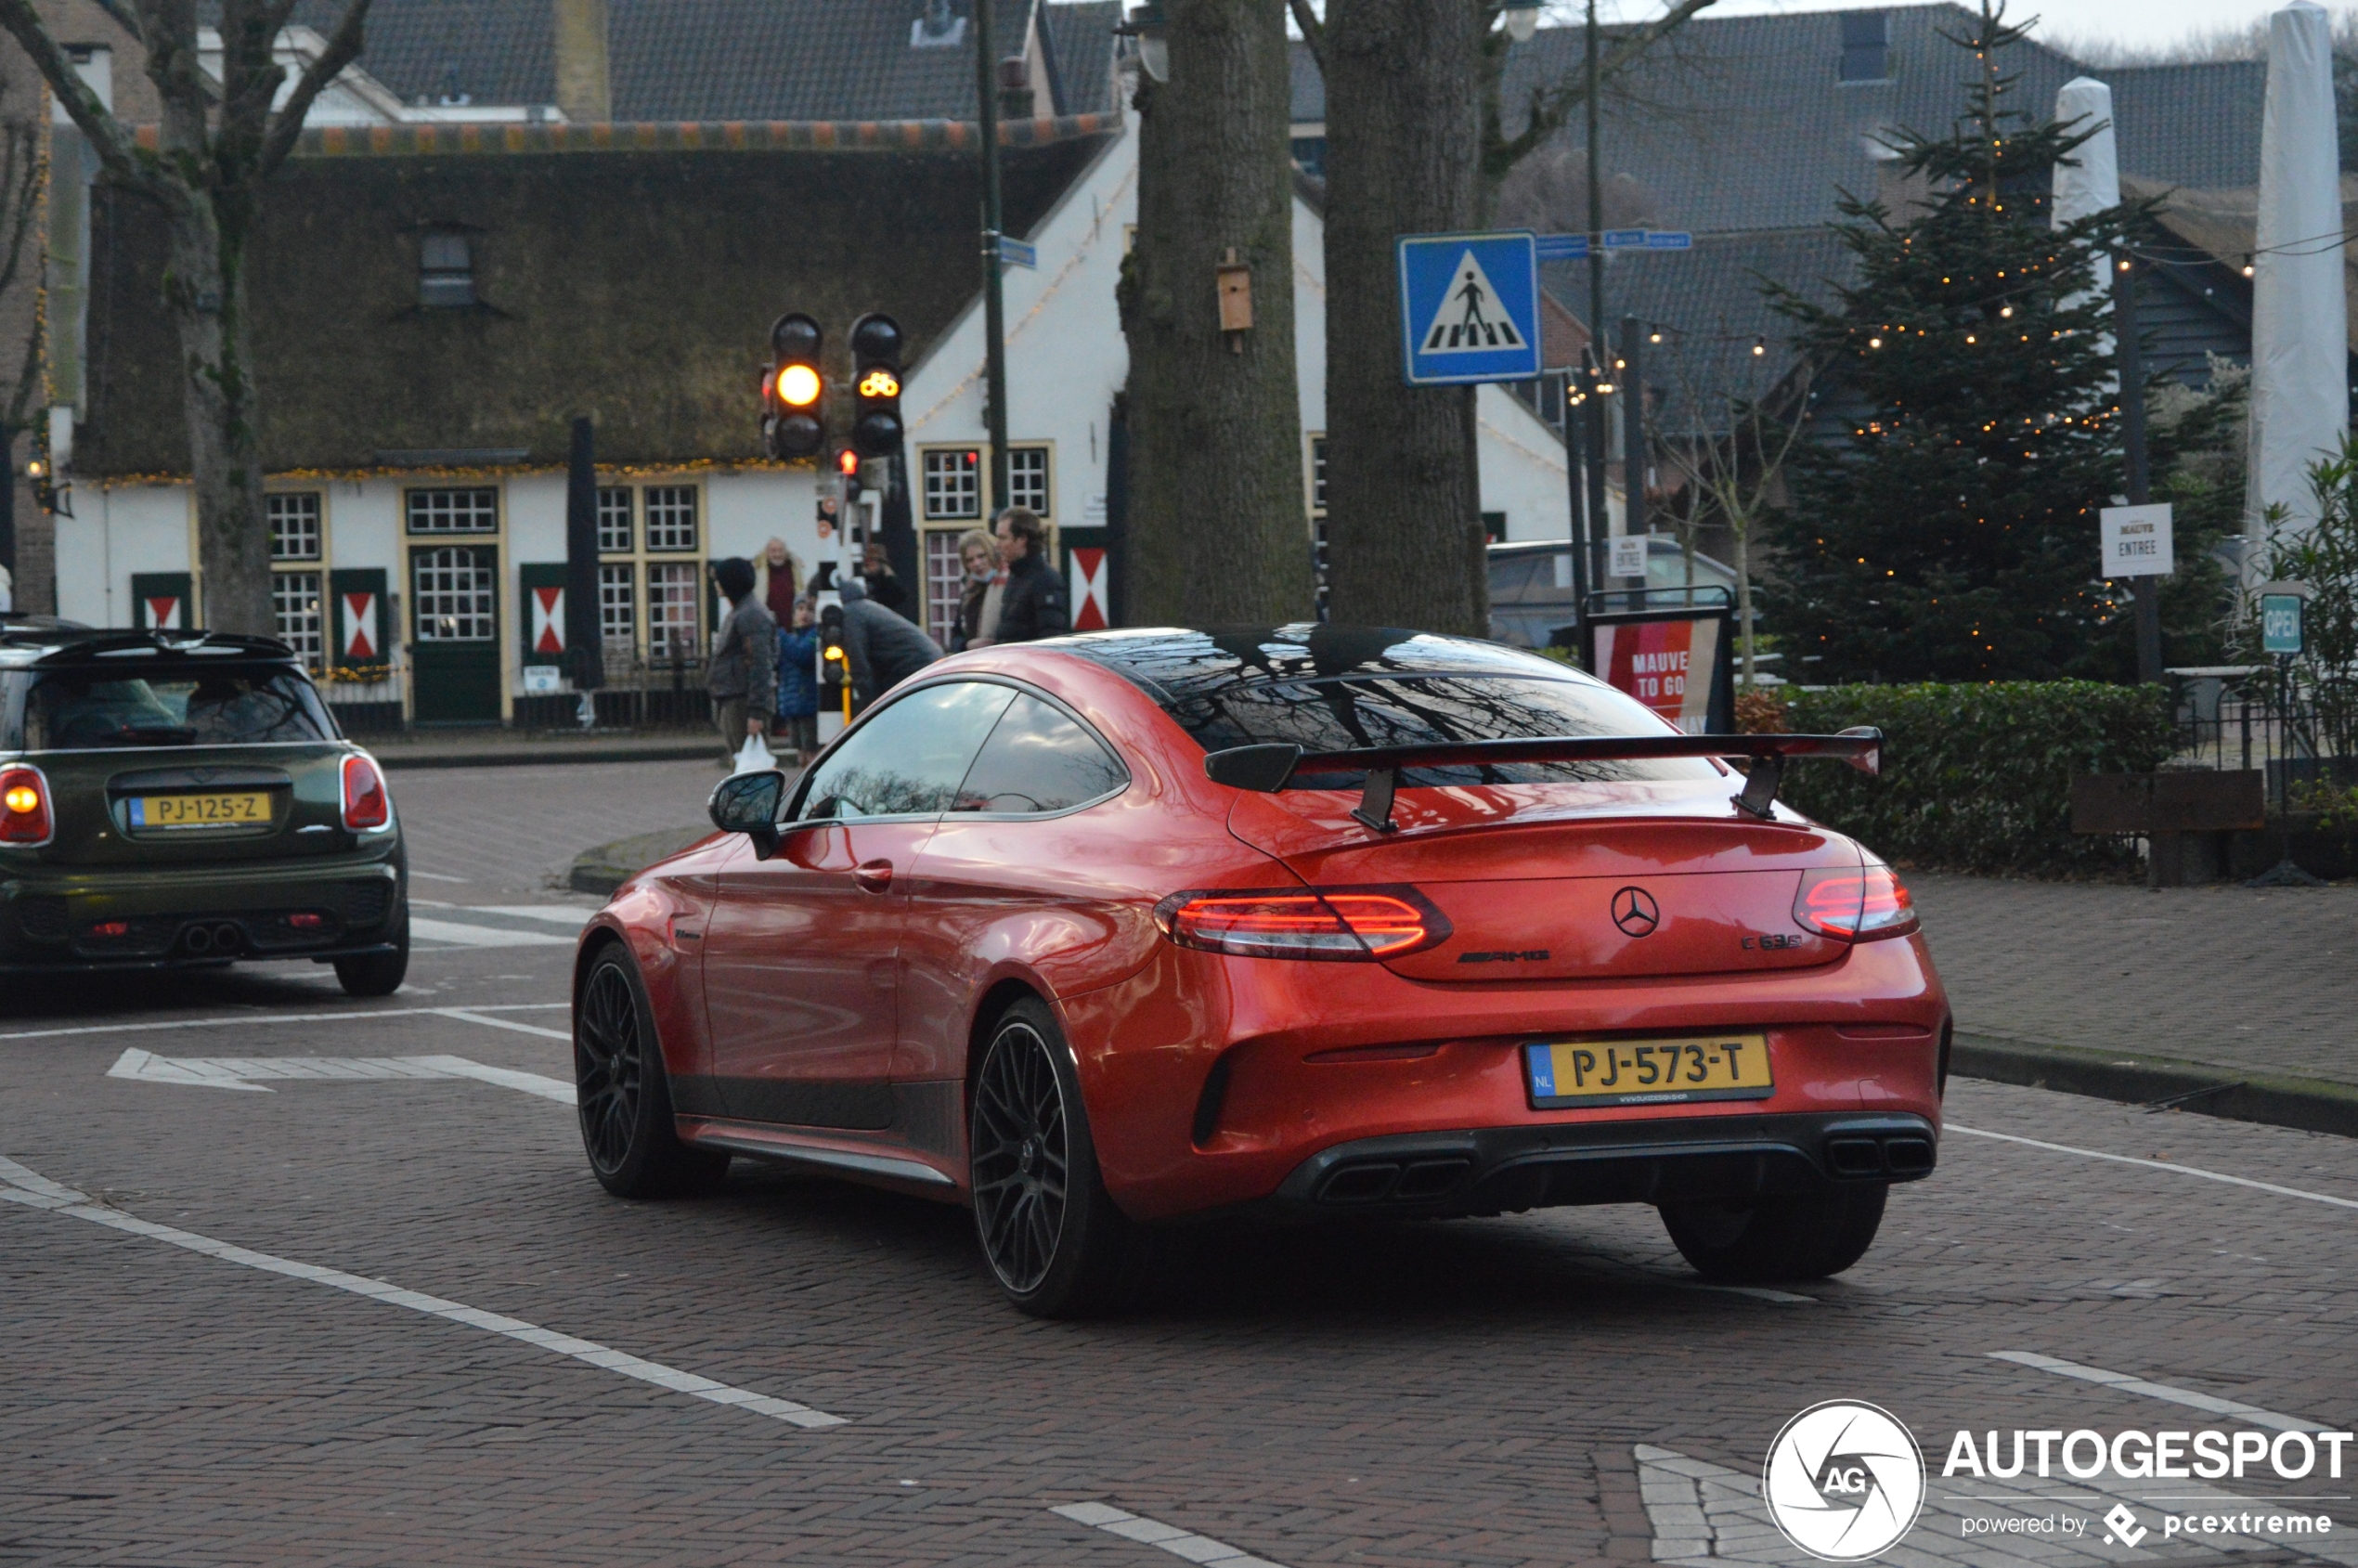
(1855, 906)
(112, 928)
(306, 920)
(1346, 923)
(25, 818)
(365, 801)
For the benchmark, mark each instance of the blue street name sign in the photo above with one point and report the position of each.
(1015, 252)
(1575, 247)
(1469, 309)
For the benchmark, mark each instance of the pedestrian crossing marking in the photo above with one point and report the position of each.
(1471, 319)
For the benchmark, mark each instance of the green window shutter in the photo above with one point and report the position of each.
(159, 600)
(360, 620)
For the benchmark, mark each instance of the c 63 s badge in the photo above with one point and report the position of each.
(1771, 941)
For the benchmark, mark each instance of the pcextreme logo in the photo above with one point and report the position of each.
(1844, 1481)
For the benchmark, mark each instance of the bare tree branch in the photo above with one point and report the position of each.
(116, 148)
(1551, 107)
(1314, 31)
(342, 50)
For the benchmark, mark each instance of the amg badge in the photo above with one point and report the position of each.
(1529, 955)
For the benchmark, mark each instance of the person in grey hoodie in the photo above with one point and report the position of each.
(882, 648)
(742, 676)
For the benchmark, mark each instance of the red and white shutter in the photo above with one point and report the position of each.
(360, 638)
(1091, 608)
(547, 620)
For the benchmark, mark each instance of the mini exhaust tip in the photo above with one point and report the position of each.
(199, 939)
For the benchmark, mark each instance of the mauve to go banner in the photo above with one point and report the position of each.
(1670, 664)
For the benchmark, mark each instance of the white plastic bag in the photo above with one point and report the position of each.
(754, 755)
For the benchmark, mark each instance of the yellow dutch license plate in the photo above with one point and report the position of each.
(1636, 1072)
(244, 808)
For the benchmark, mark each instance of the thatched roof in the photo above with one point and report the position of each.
(637, 287)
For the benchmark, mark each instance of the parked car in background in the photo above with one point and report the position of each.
(1532, 605)
(179, 799)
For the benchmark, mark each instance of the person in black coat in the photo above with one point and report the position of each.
(1033, 604)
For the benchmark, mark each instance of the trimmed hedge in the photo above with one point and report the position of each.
(1978, 777)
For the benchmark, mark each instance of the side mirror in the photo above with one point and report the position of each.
(748, 803)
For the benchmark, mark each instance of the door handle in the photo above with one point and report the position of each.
(873, 877)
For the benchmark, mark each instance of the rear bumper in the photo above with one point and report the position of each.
(1701, 1159)
(76, 921)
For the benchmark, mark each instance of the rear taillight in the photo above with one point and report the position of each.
(364, 802)
(1855, 906)
(26, 819)
(1347, 924)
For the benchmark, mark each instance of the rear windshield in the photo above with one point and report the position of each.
(88, 709)
(1343, 715)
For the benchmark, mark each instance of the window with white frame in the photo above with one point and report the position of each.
(671, 609)
(1319, 475)
(1028, 479)
(295, 596)
(618, 605)
(295, 525)
(671, 517)
(945, 584)
(613, 520)
(470, 511)
(953, 483)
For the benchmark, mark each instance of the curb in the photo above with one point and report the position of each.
(601, 870)
(2312, 1104)
(522, 757)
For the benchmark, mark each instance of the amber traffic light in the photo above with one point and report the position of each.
(876, 381)
(793, 420)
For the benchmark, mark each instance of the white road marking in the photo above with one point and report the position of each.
(1705, 1515)
(248, 1021)
(459, 933)
(434, 876)
(2186, 1397)
(254, 1073)
(562, 914)
(1153, 1533)
(31, 1189)
(469, 1016)
(2160, 1165)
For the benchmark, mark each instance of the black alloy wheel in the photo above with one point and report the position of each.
(624, 1100)
(1022, 1157)
(1054, 1238)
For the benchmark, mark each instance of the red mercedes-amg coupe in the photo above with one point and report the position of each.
(1114, 930)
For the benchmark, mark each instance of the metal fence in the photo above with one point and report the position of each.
(2263, 716)
(664, 693)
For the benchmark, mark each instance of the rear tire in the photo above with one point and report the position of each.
(1055, 1241)
(623, 1095)
(1807, 1237)
(378, 974)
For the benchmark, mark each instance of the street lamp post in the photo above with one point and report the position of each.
(994, 305)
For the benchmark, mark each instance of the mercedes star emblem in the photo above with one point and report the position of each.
(1635, 911)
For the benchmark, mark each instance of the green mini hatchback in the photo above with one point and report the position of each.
(180, 800)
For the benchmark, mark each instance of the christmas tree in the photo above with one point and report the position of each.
(1945, 526)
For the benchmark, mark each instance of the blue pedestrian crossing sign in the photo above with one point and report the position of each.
(1468, 307)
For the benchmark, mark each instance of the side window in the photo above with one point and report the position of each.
(908, 758)
(1038, 760)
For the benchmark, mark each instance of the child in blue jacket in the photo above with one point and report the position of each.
(798, 683)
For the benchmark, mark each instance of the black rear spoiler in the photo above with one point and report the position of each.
(1268, 769)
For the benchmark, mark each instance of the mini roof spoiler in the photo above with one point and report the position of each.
(1268, 769)
(74, 648)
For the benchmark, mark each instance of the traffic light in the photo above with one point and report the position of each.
(794, 421)
(875, 371)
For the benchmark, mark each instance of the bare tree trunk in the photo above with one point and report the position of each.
(1404, 497)
(1219, 527)
(204, 289)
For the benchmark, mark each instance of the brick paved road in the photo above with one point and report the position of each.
(1483, 1392)
(2258, 977)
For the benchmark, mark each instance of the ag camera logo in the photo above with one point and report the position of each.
(1844, 1481)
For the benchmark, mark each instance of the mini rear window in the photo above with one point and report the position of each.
(83, 709)
(1347, 715)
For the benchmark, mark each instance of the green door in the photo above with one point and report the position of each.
(454, 598)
